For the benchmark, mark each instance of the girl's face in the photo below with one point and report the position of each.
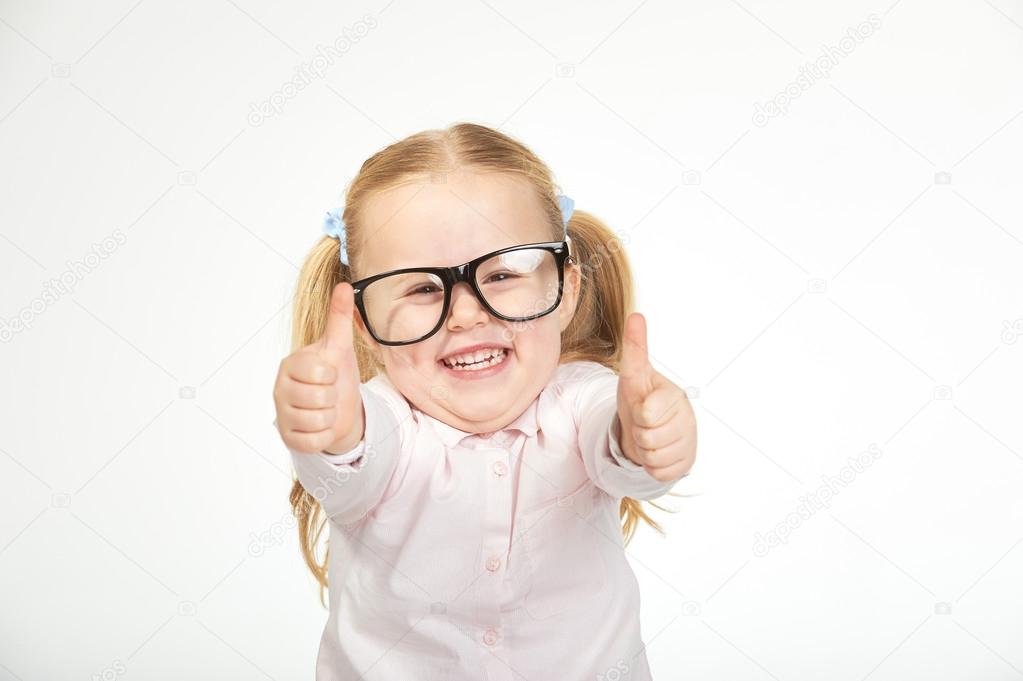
(448, 222)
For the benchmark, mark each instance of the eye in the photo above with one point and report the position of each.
(421, 286)
(500, 276)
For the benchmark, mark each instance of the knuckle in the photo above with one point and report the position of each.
(319, 396)
(313, 372)
(324, 373)
(327, 418)
(649, 412)
(295, 442)
(308, 443)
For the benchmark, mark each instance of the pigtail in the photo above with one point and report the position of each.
(320, 273)
(596, 332)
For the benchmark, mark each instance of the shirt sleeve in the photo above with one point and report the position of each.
(350, 484)
(596, 410)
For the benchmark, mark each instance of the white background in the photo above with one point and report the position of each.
(846, 278)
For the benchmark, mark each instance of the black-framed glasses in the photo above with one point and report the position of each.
(515, 284)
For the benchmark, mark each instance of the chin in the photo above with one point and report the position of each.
(480, 405)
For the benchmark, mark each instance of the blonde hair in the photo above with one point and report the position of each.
(605, 298)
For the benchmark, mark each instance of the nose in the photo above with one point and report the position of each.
(466, 309)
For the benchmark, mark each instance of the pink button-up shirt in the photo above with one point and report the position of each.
(482, 556)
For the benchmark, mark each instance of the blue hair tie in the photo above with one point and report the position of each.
(566, 204)
(334, 225)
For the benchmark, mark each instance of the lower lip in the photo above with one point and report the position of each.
(476, 374)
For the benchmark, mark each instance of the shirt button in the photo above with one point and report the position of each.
(500, 468)
(490, 637)
(493, 563)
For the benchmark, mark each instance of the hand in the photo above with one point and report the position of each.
(658, 427)
(319, 406)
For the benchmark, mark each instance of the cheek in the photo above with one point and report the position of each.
(411, 360)
(541, 341)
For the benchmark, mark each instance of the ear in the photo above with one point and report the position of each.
(570, 294)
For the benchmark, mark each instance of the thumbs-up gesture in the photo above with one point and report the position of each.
(319, 406)
(658, 427)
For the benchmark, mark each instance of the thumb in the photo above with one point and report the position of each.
(338, 335)
(636, 373)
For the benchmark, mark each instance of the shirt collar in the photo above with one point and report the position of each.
(526, 423)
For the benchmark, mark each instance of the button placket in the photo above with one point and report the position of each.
(499, 469)
(495, 465)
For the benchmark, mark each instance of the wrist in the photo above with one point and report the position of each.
(625, 448)
(342, 446)
(352, 440)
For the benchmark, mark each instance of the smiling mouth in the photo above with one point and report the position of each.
(481, 359)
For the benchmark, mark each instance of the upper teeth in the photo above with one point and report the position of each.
(474, 357)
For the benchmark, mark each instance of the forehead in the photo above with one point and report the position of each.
(428, 223)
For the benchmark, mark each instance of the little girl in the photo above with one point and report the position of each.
(476, 415)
